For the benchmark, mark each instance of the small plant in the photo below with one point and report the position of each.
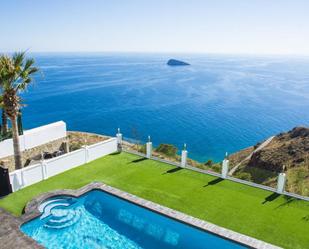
(244, 176)
(167, 149)
(6, 136)
(216, 167)
(200, 166)
(142, 148)
(209, 163)
(75, 146)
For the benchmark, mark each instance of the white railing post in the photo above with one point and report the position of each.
(148, 148)
(225, 167)
(119, 140)
(23, 182)
(86, 149)
(184, 155)
(281, 183)
(44, 169)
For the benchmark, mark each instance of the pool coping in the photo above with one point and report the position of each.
(32, 211)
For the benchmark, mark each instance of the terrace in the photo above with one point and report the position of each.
(264, 215)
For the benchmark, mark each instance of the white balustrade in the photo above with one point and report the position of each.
(225, 167)
(281, 183)
(47, 168)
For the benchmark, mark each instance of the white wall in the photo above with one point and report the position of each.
(32, 174)
(47, 168)
(35, 137)
(6, 147)
(65, 162)
(106, 147)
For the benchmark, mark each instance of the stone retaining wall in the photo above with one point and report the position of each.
(34, 153)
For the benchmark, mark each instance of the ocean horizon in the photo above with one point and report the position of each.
(218, 104)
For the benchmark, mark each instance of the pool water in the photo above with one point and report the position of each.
(100, 220)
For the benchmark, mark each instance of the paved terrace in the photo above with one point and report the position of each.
(282, 221)
(10, 235)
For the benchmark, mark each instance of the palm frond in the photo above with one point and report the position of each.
(1, 101)
(33, 70)
(18, 59)
(28, 64)
(15, 75)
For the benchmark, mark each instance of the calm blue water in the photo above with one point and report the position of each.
(220, 103)
(100, 220)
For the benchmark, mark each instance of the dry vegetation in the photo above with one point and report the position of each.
(78, 139)
(287, 152)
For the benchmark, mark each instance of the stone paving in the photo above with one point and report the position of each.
(12, 237)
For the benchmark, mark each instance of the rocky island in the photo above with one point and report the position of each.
(173, 62)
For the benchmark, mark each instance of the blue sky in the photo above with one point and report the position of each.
(216, 26)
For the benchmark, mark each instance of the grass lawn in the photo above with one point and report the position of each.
(261, 214)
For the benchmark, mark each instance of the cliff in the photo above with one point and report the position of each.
(286, 152)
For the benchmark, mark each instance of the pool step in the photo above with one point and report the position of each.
(47, 207)
(63, 219)
(66, 215)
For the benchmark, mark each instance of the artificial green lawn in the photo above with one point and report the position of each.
(280, 221)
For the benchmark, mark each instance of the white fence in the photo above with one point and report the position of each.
(47, 168)
(281, 182)
(35, 137)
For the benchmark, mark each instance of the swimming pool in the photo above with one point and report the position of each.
(100, 220)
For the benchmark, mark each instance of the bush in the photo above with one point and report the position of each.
(209, 163)
(167, 149)
(142, 148)
(200, 166)
(6, 136)
(244, 176)
(75, 146)
(216, 167)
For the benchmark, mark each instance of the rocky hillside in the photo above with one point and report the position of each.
(286, 152)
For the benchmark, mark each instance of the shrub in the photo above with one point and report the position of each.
(200, 166)
(244, 176)
(6, 136)
(75, 146)
(167, 149)
(216, 167)
(142, 148)
(209, 163)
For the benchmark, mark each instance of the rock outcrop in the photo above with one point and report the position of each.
(285, 151)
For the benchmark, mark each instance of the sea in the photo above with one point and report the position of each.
(218, 104)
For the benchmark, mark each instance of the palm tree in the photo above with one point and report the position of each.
(2, 112)
(4, 123)
(16, 75)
